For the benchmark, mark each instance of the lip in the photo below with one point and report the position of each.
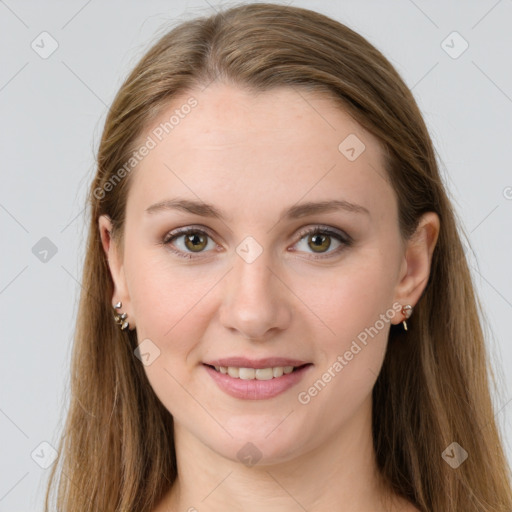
(256, 389)
(266, 362)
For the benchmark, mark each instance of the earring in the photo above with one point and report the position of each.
(407, 312)
(120, 319)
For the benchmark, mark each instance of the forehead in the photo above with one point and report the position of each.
(270, 147)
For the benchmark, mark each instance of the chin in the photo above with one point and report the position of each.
(255, 446)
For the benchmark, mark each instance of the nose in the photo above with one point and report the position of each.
(257, 304)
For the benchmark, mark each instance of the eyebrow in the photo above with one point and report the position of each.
(294, 212)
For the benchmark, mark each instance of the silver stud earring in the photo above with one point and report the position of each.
(407, 312)
(120, 318)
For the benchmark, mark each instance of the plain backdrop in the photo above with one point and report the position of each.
(63, 62)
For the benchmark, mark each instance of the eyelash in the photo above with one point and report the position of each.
(344, 239)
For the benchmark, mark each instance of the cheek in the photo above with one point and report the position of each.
(169, 308)
(165, 295)
(173, 308)
(357, 308)
(349, 299)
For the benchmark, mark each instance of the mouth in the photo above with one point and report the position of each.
(267, 373)
(256, 381)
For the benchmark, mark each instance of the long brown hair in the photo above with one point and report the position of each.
(117, 451)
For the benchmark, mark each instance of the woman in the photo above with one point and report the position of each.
(277, 311)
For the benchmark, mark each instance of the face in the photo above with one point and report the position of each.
(258, 277)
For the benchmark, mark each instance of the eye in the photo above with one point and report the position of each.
(185, 242)
(320, 239)
(189, 241)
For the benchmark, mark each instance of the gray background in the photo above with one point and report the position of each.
(53, 110)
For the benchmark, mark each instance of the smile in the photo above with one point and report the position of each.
(256, 383)
(255, 373)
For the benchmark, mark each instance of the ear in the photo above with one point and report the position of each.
(116, 267)
(417, 260)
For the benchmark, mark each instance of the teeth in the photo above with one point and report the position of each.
(264, 374)
(277, 371)
(233, 372)
(254, 373)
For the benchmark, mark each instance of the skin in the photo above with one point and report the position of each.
(252, 156)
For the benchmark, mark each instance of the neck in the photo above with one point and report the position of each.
(340, 474)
